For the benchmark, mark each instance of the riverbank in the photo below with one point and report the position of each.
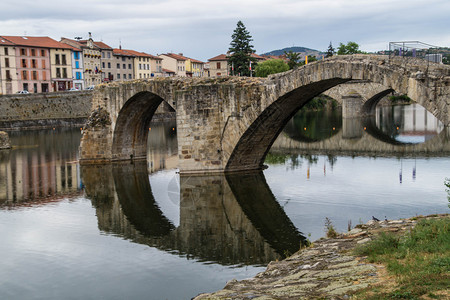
(325, 270)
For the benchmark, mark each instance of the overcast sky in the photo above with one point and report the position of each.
(202, 29)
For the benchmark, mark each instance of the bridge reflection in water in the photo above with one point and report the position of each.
(408, 131)
(231, 220)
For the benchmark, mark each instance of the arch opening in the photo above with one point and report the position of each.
(253, 146)
(132, 126)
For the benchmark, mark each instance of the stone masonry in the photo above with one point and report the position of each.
(228, 124)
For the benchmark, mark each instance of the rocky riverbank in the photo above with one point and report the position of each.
(325, 270)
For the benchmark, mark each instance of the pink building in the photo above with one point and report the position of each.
(33, 64)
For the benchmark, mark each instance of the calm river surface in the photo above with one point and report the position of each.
(140, 231)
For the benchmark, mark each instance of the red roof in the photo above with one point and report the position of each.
(36, 41)
(142, 54)
(176, 56)
(102, 45)
(122, 52)
(5, 42)
(167, 71)
(196, 61)
(218, 57)
(257, 56)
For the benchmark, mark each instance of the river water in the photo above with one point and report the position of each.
(140, 231)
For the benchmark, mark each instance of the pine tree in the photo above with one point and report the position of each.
(240, 51)
(330, 52)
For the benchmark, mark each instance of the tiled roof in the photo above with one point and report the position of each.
(167, 71)
(176, 56)
(122, 52)
(5, 42)
(102, 45)
(36, 41)
(218, 57)
(257, 56)
(196, 61)
(142, 54)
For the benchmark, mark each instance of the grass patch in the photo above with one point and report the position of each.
(419, 260)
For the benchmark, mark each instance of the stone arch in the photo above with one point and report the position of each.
(286, 93)
(254, 144)
(132, 125)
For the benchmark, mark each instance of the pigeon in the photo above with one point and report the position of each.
(375, 219)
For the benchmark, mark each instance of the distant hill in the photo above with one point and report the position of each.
(303, 50)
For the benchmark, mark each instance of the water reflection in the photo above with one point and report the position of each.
(220, 219)
(407, 124)
(313, 126)
(396, 124)
(41, 166)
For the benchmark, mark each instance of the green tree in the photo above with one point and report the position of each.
(240, 50)
(330, 51)
(272, 66)
(293, 59)
(350, 48)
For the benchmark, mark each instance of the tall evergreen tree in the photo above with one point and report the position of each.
(240, 51)
(330, 51)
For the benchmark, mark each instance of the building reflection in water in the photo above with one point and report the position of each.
(41, 166)
(231, 220)
(407, 124)
(162, 148)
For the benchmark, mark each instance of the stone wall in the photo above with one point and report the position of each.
(45, 110)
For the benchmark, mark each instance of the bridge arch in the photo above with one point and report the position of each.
(132, 126)
(291, 90)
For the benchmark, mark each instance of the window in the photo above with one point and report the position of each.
(44, 75)
(76, 55)
(34, 75)
(124, 66)
(23, 52)
(129, 66)
(42, 52)
(77, 64)
(8, 75)
(6, 62)
(33, 64)
(58, 72)
(57, 62)
(103, 54)
(78, 75)
(109, 65)
(218, 65)
(64, 70)
(118, 76)
(123, 58)
(43, 64)
(103, 65)
(24, 63)
(6, 51)
(63, 58)
(129, 76)
(140, 75)
(118, 66)
(140, 67)
(109, 54)
(24, 75)
(33, 52)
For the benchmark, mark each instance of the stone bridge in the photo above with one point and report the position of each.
(229, 124)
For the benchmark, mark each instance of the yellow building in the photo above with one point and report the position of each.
(8, 72)
(194, 68)
(146, 65)
(61, 68)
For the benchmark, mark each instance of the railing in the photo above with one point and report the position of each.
(420, 50)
